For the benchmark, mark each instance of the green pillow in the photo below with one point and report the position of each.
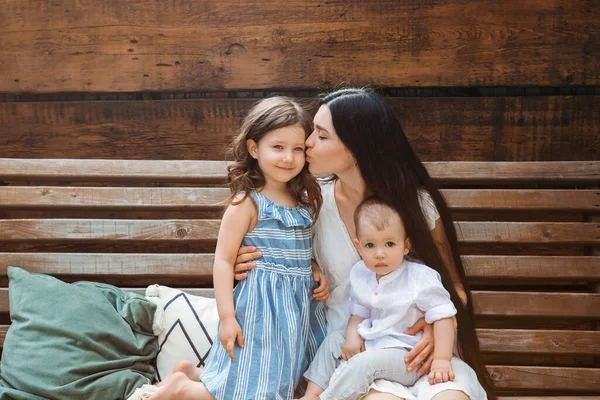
(73, 341)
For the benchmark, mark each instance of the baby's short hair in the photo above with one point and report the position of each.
(376, 213)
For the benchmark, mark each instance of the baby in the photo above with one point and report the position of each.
(388, 295)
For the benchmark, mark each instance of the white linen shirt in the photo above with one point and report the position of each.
(396, 302)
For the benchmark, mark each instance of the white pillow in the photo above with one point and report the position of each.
(186, 326)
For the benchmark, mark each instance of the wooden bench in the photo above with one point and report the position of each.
(528, 231)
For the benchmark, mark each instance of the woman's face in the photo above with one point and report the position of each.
(325, 153)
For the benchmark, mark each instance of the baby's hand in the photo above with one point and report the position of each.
(352, 347)
(441, 371)
(229, 331)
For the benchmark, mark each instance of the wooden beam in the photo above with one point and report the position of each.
(539, 341)
(207, 229)
(514, 304)
(545, 378)
(532, 267)
(52, 197)
(140, 171)
(536, 304)
(565, 269)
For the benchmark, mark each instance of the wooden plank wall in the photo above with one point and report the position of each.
(465, 128)
(163, 45)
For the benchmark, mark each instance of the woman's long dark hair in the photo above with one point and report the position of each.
(393, 173)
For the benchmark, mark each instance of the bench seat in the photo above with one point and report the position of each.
(529, 235)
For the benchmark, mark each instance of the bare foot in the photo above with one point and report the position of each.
(179, 387)
(170, 387)
(189, 369)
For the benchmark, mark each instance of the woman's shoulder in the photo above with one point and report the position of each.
(428, 207)
(325, 182)
(327, 191)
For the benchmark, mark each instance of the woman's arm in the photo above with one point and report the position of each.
(441, 241)
(245, 261)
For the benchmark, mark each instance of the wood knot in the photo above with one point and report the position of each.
(555, 342)
(45, 192)
(181, 233)
(233, 48)
(547, 235)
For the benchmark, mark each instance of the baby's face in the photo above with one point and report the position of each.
(382, 250)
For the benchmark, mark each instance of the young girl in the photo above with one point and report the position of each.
(269, 327)
(388, 294)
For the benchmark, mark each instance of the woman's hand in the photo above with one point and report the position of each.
(322, 292)
(243, 262)
(229, 331)
(423, 350)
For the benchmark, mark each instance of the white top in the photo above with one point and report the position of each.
(335, 253)
(396, 302)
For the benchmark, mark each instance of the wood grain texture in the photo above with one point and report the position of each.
(134, 45)
(535, 304)
(207, 229)
(203, 171)
(543, 341)
(548, 378)
(528, 232)
(119, 266)
(486, 303)
(532, 267)
(439, 129)
(173, 265)
(174, 199)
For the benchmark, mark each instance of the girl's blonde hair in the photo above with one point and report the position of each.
(244, 174)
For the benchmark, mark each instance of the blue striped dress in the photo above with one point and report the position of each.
(281, 323)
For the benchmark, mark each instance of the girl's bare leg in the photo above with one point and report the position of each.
(179, 387)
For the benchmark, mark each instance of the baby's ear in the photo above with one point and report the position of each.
(252, 148)
(356, 243)
(407, 245)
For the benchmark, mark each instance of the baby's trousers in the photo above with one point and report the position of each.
(351, 380)
(326, 359)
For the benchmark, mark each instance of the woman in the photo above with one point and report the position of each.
(358, 142)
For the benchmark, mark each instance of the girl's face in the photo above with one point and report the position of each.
(326, 154)
(280, 153)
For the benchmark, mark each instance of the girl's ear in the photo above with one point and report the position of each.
(407, 245)
(356, 243)
(252, 148)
